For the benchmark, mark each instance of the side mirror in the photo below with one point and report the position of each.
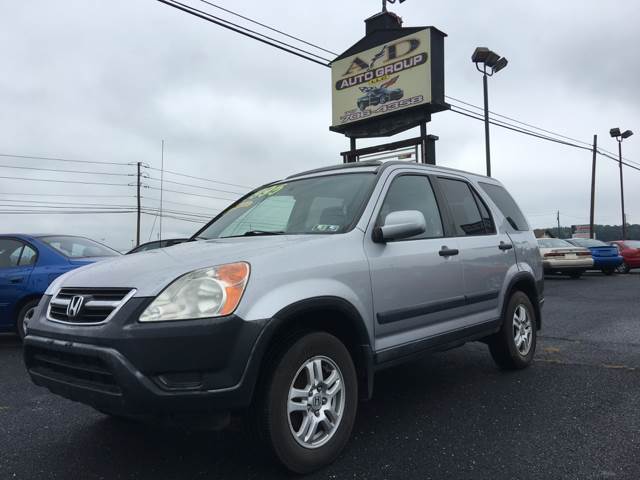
(399, 225)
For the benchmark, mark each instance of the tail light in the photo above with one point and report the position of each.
(553, 254)
(584, 254)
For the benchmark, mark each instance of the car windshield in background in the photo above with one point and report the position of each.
(554, 243)
(78, 247)
(588, 243)
(320, 205)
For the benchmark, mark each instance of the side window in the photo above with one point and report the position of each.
(463, 207)
(28, 257)
(413, 192)
(489, 225)
(10, 251)
(507, 205)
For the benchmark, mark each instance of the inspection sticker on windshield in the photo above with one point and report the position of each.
(326, 228)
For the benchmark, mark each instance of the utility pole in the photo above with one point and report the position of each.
(139, 212)
(161, 187)
(593, 188)
(558, 218)
(487, 148)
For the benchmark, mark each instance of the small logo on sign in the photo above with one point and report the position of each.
(75, 305)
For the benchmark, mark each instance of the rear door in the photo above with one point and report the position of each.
(417, 291)
(17, 260)
(486, 254)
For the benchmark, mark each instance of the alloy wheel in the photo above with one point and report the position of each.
(522, 330)
(316, 402)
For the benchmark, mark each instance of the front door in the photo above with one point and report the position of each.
(417, 282)
(14, 278)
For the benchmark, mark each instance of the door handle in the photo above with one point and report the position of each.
(16, 280)
(505, 246)
(448, 252)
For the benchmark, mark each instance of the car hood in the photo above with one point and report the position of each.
(150, 272)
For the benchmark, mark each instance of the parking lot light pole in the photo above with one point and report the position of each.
(491, 63)
(620, 136)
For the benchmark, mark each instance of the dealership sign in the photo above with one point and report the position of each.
(404, 72)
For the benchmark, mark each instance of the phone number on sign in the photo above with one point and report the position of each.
(354, 115)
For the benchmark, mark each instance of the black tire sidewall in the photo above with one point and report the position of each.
(519, 298)
(20, 319)
(295, 457)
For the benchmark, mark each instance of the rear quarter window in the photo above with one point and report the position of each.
(507, 205)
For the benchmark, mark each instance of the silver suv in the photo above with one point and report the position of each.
(285, 305)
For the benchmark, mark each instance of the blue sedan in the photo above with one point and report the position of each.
(29, 263)
(605, 257)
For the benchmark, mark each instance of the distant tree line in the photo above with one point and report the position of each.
(606, 233)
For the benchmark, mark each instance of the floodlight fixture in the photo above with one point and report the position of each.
(620, 136)
(491, 63)
(626, 134)
(615, 132)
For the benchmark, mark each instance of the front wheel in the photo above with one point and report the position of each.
(309, 404)
(514, 345)
(623, 268)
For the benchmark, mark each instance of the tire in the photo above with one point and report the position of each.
(623, 268)
(384, 99)
(24, 315)
(361, 106)
(288, 378)
(575, 275)
(504, 350)
(608, 271)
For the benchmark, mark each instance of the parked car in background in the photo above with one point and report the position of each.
(29, 263)
(293, 297)
(605, 257)
(630, 251)
(559, 256)
(157, 244)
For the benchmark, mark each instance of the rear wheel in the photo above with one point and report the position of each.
(623, 268)
(575, 274)
(514, 345)
(24, 316)
(308, 403)
(608, 270)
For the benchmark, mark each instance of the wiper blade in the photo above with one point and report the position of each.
(255, 233)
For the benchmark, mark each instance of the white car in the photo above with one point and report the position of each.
(559, 256)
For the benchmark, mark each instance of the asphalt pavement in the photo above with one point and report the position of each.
(574, 414)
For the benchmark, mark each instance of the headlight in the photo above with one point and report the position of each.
(209, 292)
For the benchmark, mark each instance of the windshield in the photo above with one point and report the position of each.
(78, 247)
(554, 243)
(585, 242)
(320, 205)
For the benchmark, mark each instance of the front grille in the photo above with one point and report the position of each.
(97, 305)
(72, 368)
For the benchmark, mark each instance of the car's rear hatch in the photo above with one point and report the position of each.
(604, 251)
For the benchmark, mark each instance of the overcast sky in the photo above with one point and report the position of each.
(106, 80)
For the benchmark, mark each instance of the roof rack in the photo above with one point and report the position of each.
(344, 166)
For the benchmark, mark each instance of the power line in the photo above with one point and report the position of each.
(269, 28)
(192, 194)
(61, 159)
(52, 212)
(77, 204)
(66, 171)
(244, 31)
(195, 186)
(65, 195)
(587, 146)
(66, 181)
(200, 178)
(175, 217)
(183, 204)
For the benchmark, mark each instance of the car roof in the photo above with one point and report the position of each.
(378, 166)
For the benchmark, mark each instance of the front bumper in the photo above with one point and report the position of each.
(127, 367)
